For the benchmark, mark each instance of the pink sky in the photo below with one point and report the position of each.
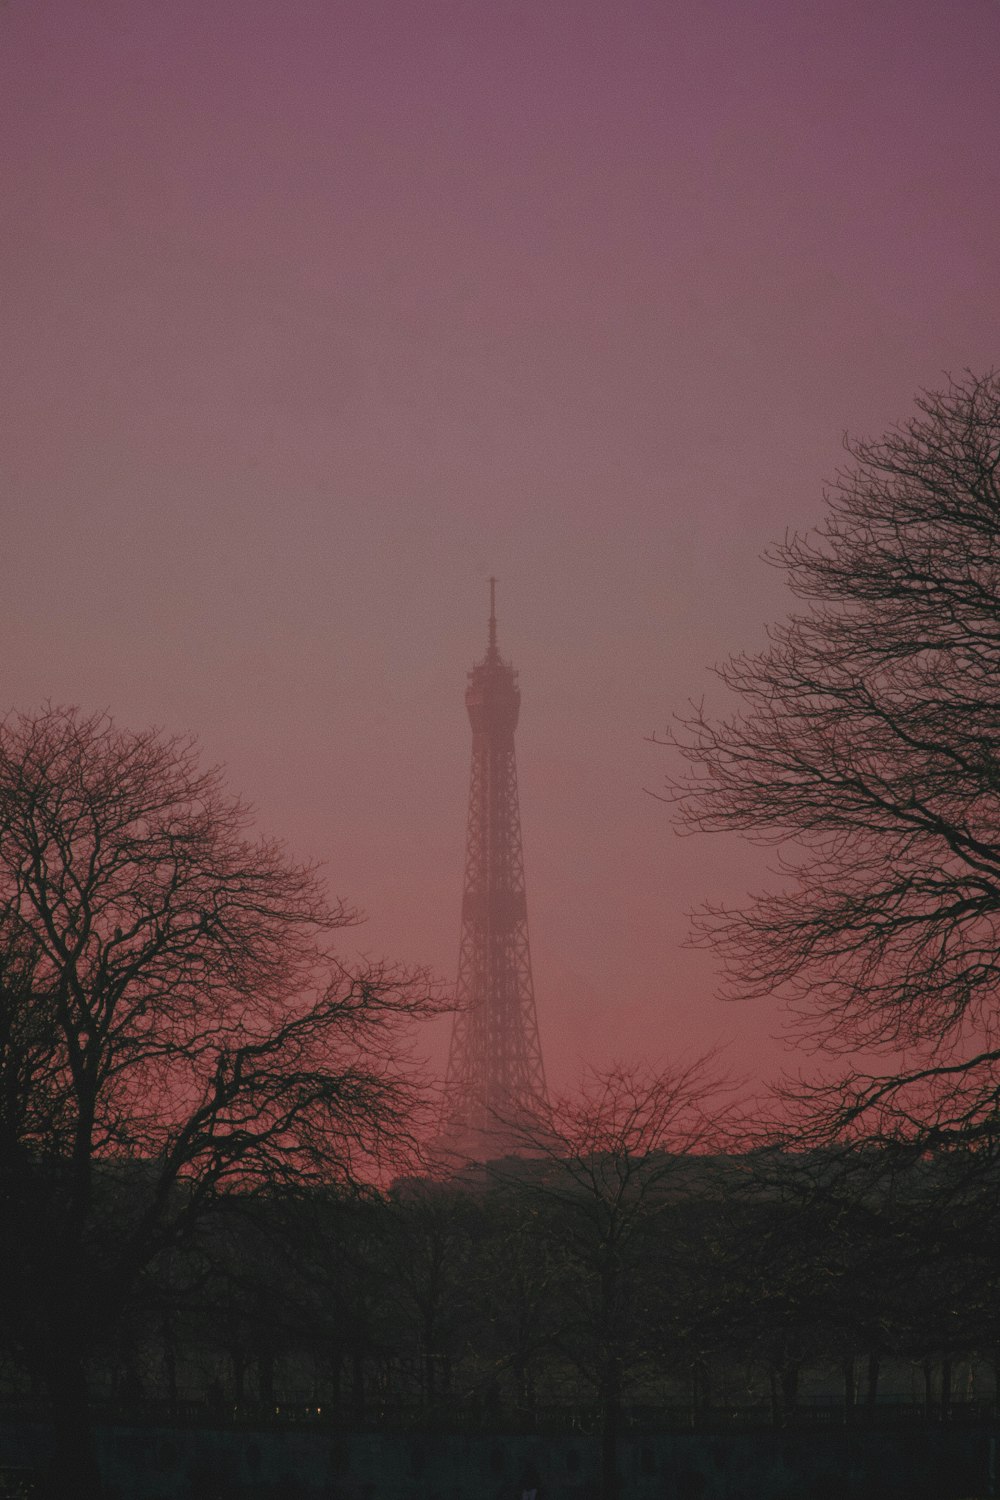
(315, 313)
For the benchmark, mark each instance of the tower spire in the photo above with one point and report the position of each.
(496, 1081)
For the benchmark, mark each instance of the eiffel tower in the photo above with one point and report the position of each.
(495, 1084)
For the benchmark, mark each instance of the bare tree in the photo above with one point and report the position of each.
(612, 1162)
(431, 1228)
(517, 1273)
(173, 1025)
(866, 750)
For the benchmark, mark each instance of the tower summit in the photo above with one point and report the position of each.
(495, 1080)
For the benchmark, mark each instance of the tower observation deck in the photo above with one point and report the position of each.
(495, 1081)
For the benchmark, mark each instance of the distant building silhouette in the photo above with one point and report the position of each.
(495, 1081)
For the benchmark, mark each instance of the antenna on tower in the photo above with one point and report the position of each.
(493, 614)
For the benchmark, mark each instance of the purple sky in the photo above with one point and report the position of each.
(315, 313)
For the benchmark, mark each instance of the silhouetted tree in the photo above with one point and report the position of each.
(517, 1294)
(337, 1296)
(431, 1234)
(172, 1026)
(613, 1161)
(816, 1265)
(867, 750)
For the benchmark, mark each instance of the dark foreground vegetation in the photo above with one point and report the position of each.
(804, 1292)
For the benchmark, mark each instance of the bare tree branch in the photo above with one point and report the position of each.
(866, 750)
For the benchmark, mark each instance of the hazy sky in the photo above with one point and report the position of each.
(316, 312)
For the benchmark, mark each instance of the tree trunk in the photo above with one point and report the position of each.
(701, 1390)
(610, 1423)
(850, 1388)
(170, 1367)
(790, 1388)
(524, 1387)
(357, 1386)
(871, 1389)
(239, 1364)
(73, 1470)
(336, 1365)
(265, 1378)
(928, 1388)
(784, 1392)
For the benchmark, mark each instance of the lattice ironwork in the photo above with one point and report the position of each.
(496, 1080)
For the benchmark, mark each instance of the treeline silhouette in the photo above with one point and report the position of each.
(765, 1287)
